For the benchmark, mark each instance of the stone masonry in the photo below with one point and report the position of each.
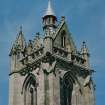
(50, 71)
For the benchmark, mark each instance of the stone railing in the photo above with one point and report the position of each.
(32, 56)
(60, 52)
(77, 59)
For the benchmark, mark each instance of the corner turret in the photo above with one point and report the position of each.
(49, 20)
(16, 52)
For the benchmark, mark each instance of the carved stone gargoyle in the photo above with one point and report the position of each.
(47, 68)
(87, 81)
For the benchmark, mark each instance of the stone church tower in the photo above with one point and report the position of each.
(50, 71)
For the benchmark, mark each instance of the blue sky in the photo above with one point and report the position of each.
(85, 19)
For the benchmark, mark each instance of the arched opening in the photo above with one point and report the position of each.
(66, 87)
(30, 90)
(70, 91)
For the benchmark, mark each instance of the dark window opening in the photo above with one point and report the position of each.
(65, 93)
(63, 39)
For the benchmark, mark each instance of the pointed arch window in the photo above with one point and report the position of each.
(30, 90)
(63, 39)
(66, 88)
(70, 84)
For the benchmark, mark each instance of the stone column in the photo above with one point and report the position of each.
(41, 88)
(54, 89)
(15, 96)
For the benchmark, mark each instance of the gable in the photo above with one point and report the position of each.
(63, 38)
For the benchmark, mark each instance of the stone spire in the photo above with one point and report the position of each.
(20, 40)
(19, 43)
(49, 10)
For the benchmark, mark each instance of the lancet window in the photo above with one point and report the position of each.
(63, 39)
(66, 87)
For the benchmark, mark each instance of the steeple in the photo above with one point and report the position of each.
(49, 20)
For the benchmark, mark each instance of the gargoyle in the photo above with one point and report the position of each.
(87, 81)
(47, 68)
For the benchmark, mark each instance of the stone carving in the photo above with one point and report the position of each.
(47, 68)
(87, 81)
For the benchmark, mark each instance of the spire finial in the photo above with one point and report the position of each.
(20, 32)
